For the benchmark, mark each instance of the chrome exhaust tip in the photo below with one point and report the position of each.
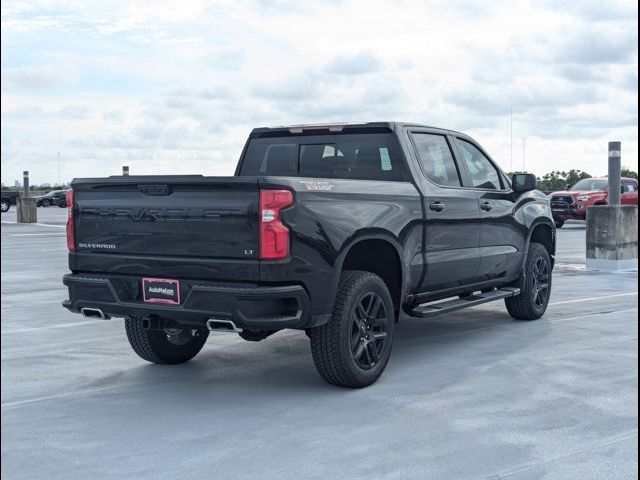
(89, 312)
(222, 326)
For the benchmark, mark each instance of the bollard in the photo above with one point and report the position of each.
(25, 184)
(26, 208)
(615, 166)
(612, 230)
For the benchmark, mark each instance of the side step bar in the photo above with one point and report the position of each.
(434, 309)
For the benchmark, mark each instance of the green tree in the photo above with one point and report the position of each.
(627, 172)
(575, 176)
(558, 180)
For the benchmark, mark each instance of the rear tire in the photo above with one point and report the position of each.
(353, 348)
(5, 205)
(559, 223)
(168, 346)
(534, 297)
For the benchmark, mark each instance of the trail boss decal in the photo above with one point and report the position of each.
(317, 186)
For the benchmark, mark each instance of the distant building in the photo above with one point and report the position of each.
(16, 184)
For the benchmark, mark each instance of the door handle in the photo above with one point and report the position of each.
(437, 206)
(486, 206)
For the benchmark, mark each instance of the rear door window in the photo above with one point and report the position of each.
(350, 156)
(436, 159)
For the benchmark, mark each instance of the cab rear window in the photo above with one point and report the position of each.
(350, 156)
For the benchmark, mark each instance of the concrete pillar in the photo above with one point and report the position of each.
(26, 208)
(612, 237)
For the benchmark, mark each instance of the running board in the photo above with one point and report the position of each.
(428, 311)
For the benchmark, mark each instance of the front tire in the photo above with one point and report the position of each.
(168, 346)
(5, 205)
(46, 203)
(534, 297)
(353, 348)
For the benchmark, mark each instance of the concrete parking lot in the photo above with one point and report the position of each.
(472, 395)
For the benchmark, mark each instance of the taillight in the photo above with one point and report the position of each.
(274, 236)
(71, 238)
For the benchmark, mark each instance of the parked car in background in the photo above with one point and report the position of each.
(8, 199)
(55, 197)
(572, 203)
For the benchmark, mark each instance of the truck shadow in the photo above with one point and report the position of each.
(433, 353)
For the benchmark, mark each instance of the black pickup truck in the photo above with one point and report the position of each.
(338, 230)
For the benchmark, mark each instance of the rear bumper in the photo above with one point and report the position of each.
(249, 306)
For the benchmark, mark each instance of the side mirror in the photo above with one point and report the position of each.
(567, 186)
(524, 182)
(623, 189)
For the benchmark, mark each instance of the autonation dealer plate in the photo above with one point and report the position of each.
(161, 290)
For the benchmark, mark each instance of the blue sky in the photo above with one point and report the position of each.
(113, 83)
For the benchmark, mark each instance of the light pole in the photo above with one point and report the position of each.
(511, 132)
(59, 176)
(511, 158)
(524, 149)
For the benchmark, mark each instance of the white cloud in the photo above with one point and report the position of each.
(109, 83)
(39, 77)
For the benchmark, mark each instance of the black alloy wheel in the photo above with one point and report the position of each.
(541, 282)
(536, 287)
(368, 330)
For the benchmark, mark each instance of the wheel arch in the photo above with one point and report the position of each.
(379, 253)
(542, 231)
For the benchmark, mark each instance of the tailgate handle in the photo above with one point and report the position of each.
(156, 190)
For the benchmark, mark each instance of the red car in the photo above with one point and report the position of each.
(572, 204)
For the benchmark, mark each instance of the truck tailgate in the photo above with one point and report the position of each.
(168, 223)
